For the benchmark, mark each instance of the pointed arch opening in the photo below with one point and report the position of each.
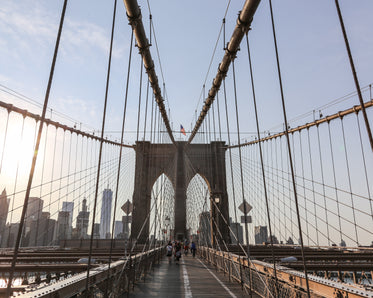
(198, 210)
(162, 215)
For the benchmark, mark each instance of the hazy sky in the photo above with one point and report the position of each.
(313, 57)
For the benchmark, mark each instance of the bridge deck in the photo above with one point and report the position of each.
(190, 278)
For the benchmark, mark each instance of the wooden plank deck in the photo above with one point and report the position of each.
(191, 277)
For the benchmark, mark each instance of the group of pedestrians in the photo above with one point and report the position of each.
(175, 249)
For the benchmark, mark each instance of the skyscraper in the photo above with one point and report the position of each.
(33, 217)
(4, 206)
(34, 210)
(69, 207)
(63, 229)
(118, 228)
(41, 233)
(107, 197)
(236, 227)
(261, 234)
(82, 221)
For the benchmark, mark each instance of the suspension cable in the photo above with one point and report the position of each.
(101, 145)
(262, 163)
(32, 170)
(289, 150)
(120, 154)
(367, 125)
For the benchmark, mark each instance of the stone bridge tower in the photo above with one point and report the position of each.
(180, 163)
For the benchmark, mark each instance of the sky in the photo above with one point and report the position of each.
(314, 63)
(313, 58)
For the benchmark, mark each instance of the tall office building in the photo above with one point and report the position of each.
(118, 229)
(4, 206)
(82, 221)
(236, 227)
(42, 231)
(69, 207)
(33, 214)
(34, 210)
(106, 214)
(96, 231)
(63, 229)
(10, 235)
(261, 234)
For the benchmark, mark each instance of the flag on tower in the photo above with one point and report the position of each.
(182, 130)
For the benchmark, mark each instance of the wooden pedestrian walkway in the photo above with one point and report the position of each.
(191, 277)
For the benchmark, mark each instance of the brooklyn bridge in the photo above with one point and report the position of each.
(265, 193)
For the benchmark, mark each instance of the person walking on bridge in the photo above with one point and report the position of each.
(193, 248)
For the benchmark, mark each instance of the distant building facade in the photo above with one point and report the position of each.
(96, 231)
(69, 207)
(82, 221)
(10, 235)
(118, 229)
(107, 197)
(261, 234)
(42, 231)
(63, 228)
(236, 227)
(4, 207)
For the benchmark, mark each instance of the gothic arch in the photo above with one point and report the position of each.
(178, 161)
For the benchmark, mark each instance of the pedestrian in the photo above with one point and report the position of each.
(177, 251)
(169, 249)
(186, 248)
(193, 249)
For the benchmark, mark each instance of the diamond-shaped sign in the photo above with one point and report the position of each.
(127, 207)
(248, 207)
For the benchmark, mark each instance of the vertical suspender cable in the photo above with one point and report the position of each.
(120, 157)
(241, 175)
(4, 142)
(323, 185)
(217, 103)
(138, 111)
(15, 183)
(349, 182)
(289, 150)
(334, 180)
(262, 163)
(365, 166)
(40, 208)
(100, 152)
(354, 75)
(230, 159)
(32, 170)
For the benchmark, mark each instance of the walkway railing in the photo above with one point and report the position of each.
(257, 276)
(121, 278)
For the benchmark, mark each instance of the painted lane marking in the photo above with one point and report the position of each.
(220, 282)
(187, 289)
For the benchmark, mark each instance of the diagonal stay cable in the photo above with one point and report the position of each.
(101, 145)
